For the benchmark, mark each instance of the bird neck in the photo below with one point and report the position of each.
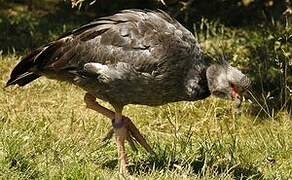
(196, 83)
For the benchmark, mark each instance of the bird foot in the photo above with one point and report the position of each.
(134, 136)
(132, 142)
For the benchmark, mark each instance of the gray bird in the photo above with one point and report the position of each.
(132, 57)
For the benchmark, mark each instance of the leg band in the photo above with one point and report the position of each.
(117, 125)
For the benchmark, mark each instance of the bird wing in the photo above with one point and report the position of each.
(149, 41)
(146, 40)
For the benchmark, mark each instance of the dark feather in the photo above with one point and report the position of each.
(148, 54)
(23, 79)
(21, 74)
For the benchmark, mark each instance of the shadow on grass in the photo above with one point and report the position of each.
(22, 29)
(270, 72)
(198, 166)
(29, 24)
(26, 25)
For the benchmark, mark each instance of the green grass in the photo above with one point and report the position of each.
(46, 132)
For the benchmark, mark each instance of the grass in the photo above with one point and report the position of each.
(46, 132)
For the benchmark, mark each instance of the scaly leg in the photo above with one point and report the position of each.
(121, 132)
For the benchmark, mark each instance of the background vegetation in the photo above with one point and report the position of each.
(45, 132)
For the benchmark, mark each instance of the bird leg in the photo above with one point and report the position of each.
(133, 134)
(92, 104)
(120, 129)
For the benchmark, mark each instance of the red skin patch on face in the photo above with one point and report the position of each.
(234, 91)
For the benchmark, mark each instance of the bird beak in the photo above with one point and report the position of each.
(237, 101)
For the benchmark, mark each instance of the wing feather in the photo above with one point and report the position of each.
(151, 42)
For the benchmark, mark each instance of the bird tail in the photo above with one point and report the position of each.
(22, 73)
(48, 59)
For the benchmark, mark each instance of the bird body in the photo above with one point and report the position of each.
(132, 57)
(142, 57)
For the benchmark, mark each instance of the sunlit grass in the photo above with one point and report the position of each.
(46, 132)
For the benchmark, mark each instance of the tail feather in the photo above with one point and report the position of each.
(42, 60)
(23, 79)
(21, 74)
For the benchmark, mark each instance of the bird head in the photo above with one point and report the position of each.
(226, 81)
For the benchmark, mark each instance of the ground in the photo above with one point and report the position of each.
(46, 132)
